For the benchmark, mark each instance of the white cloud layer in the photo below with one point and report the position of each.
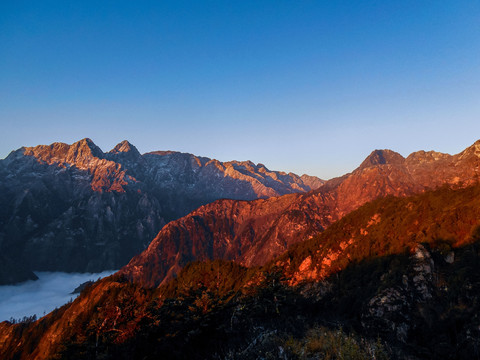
(52, 290)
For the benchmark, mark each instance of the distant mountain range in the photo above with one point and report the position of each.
(76, 208)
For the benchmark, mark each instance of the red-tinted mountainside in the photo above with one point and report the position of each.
(401, 273)
(403, 270)
(254, 232)
(76, 208)
(249, 232)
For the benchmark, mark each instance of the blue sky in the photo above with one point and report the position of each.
(304, 86)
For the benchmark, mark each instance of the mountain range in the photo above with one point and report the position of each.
(397, 278)
(75, 208)
(382, 262)
(254, 232)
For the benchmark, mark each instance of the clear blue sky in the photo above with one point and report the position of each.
(303, 86)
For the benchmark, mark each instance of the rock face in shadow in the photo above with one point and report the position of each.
(254, 232)
(12, 272)
(76, 208)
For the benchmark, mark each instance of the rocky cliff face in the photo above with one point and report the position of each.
(249, 232)
(76, 208)
(221, 229)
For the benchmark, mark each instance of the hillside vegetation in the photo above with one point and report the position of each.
(407, 285)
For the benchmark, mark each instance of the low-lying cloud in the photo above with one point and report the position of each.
(52, 290)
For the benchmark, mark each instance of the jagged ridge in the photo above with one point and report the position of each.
(76, 208)
(223, 230)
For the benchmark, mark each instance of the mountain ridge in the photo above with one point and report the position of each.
(77, 208)
(299, 217)
(95, 203)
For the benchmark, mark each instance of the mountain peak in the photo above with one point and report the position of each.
(473, 150)
(419, 157)
(382, 157)
(81, 151)
(86, 141)
(87, 145)
(124, 147)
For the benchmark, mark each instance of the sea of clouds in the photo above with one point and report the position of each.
(52, 290)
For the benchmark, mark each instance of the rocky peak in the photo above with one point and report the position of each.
(14, 155)
(312, 182)
(124, 153)
(245, 165)
(125, 147)
(420, 157)
(85, 148)
(382, 157)
(79, 153)
(471, 151)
